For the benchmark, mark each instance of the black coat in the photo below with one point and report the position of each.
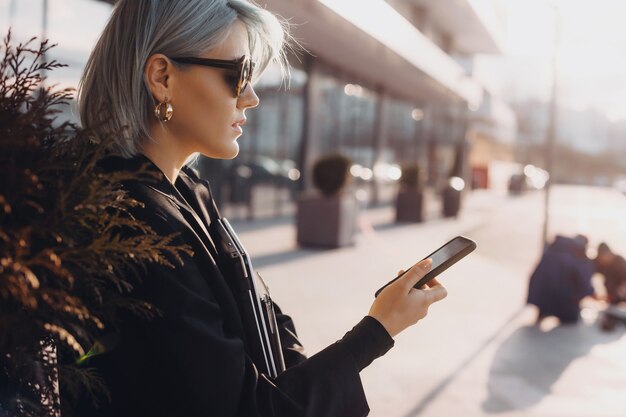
(191, 361)
(561, 279)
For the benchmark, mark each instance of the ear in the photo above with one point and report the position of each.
(157, 74)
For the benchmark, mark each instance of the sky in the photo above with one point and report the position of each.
(591, 63)
(591, 49)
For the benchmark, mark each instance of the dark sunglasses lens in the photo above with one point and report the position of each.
(244, 76)
(232, 80)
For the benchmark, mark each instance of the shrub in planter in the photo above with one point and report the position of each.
(328, 217)
(331, 174)
(410, 198)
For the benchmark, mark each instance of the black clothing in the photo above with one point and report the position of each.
(191, 361)
(561, 279)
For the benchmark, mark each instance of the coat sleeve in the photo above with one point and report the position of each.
(327, 384)
(185, 362)
(293, 350)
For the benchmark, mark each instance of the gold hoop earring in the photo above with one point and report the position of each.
(164, 111)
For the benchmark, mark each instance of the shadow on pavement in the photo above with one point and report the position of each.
(379, 227)
(530, 361)
(286, 256)
(433, 394)
(242, 225)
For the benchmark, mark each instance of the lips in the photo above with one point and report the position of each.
(237, 125)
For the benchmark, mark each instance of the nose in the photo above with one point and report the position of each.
(248, 99)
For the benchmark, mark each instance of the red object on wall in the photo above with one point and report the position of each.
(480, 177)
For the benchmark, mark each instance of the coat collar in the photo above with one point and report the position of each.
(148, 173)
(159, 183)
(156, 179)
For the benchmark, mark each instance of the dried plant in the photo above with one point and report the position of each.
(70, 249)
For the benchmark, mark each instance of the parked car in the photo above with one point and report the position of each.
(530, 178)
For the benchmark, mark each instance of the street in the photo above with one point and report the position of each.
(477, 353)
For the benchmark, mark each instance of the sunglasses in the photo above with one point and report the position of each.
(241, 68)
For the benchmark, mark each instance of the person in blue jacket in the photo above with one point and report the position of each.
(166, 80)
(562, 279)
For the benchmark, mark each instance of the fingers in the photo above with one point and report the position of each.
(416, 273)
(433, 283)
(433, 291)
(438, 290)
(436, 293)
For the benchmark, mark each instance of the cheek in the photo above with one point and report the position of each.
(204, 110)
(214, 119)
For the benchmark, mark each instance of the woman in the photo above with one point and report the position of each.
(169, 79)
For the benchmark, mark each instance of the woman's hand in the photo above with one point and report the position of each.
(400, 305)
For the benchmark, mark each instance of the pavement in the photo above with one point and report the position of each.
(478, 352)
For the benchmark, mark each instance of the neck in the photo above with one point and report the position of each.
(164, 152)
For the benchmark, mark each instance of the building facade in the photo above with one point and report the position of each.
(386, 83)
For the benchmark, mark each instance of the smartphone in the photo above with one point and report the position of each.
(443, 258)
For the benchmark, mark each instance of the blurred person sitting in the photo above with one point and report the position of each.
(613, 268)
(562, 279)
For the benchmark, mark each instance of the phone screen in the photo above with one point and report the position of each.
(443, 258)
(447, 251)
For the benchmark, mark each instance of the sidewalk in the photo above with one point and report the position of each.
(476, 354)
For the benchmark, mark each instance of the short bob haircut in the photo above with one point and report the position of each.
(114, 100)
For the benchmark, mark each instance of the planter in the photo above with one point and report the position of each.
(326, 221)
(410, 206)
(451, 202)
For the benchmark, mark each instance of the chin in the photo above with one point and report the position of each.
(232, 151)
(225, 153)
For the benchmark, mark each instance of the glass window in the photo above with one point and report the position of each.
(348, 112)
(262, 181)
(402, 121)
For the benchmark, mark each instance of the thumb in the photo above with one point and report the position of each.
(416, 273)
